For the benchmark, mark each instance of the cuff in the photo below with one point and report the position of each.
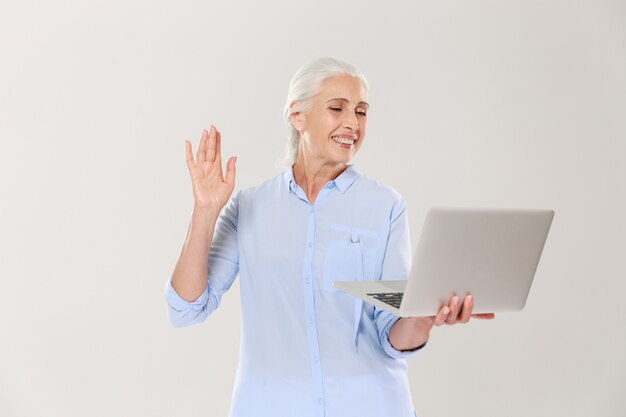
(390, 350)
(178, 303)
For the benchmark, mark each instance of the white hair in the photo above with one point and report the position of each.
(304, 85)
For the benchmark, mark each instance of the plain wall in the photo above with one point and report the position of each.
(472, 103)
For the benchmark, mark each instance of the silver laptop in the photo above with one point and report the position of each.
(491, 254)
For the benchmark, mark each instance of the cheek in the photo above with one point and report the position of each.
(362, 129)
(333, 121)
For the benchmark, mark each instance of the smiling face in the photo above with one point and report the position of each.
(333, 127)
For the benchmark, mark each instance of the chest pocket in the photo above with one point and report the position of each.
(350, 255)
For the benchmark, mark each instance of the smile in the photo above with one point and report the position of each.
(344, 141)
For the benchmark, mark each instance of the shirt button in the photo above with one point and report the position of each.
(316, 359)
(308, 280)
(310, 244)
(320, 400)
(310, 319)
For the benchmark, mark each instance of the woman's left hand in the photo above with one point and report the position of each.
(411, 332)
(455, 312)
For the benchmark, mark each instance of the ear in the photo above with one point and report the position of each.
(297, 118)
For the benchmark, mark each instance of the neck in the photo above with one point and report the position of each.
(312, 176)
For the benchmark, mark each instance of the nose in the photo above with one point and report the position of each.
(350, 121)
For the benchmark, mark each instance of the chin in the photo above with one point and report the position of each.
(344, 160)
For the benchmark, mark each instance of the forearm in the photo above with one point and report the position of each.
(189, 278)
(409, 333)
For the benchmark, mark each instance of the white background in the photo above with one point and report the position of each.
(473, 103)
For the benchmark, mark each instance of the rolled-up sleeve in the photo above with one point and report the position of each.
(385, 323)
(396, 263)
(223, 267)
(182, 312)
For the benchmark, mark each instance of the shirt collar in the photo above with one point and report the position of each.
(342, 182)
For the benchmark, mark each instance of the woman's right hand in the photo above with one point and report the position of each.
(211, 190)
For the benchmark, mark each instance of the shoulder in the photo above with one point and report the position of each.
(265, 190)
(365, 183)
(374, 189)
(380, 199)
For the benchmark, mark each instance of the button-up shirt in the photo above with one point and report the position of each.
(308, 349)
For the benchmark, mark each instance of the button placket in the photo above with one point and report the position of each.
(309, 307)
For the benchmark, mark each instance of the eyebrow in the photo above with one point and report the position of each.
(347, 101)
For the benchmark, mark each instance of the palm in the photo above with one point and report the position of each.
(211, 189)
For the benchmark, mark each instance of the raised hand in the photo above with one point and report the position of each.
(211, 189)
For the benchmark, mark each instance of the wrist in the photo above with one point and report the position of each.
(410, 333)
(205, 213)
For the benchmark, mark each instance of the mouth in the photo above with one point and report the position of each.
(343, 140)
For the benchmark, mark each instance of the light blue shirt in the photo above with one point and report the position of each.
(307, 349)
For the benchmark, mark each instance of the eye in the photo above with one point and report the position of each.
(335, 108)
(361, 113)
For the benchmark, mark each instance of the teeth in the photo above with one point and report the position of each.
(343, 140)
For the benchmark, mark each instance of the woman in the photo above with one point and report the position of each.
(306, 349)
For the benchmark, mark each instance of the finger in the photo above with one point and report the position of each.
(200, 155)
(484, 316)
(218, 153)
(210, 151)
(188, 153)
(468, 306)
(191, 164)
(218, 144)
(442, 316)
(230, 171)
(455, 307)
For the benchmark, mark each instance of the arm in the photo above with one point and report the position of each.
(189, 278)
(222, 265)
(396, 263)
(188, 288)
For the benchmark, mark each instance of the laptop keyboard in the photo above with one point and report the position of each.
(392, 298)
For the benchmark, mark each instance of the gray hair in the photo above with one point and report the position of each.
(304, 85)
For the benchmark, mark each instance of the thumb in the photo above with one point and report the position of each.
(230, 171)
